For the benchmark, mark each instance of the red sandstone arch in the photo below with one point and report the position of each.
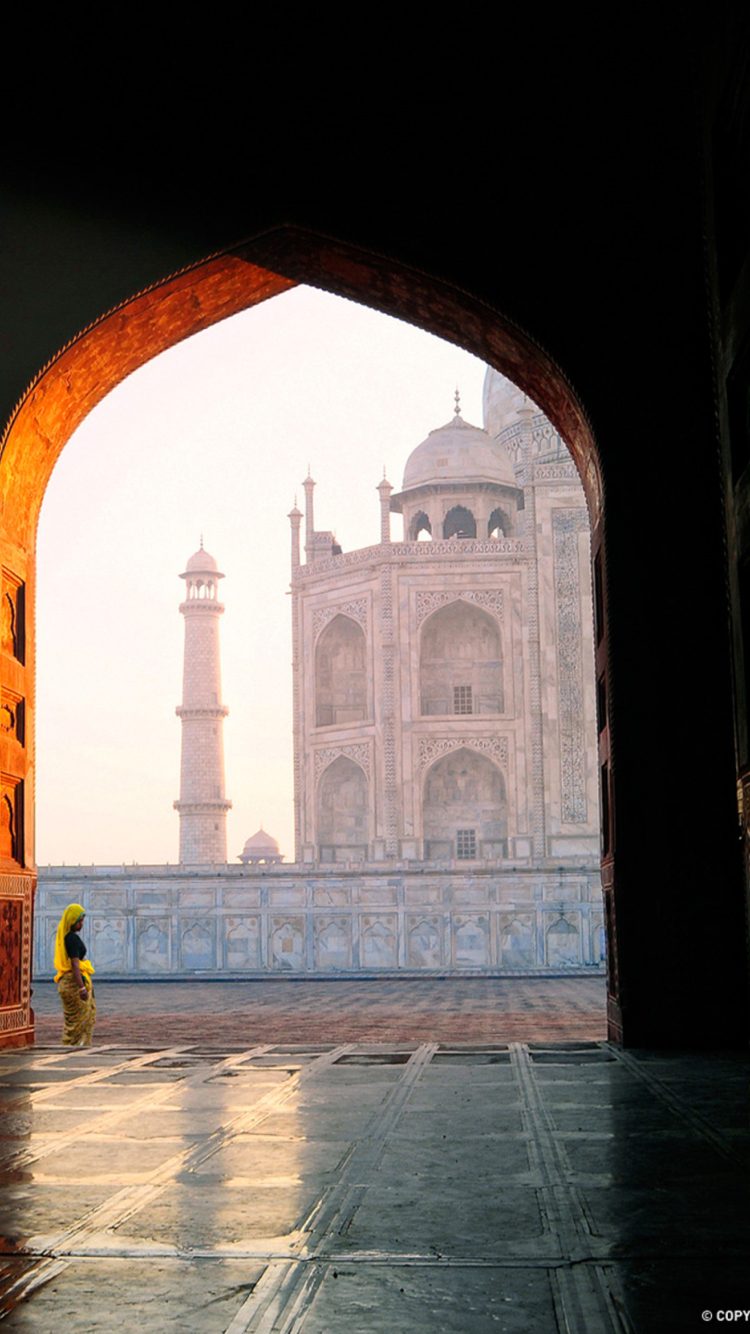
(83, 372)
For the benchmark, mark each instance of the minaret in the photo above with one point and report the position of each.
(308, 487)
(295, 519)
(384, 490)
(203, 806)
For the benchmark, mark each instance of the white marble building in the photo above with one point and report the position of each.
(444, 684)
(446, 795)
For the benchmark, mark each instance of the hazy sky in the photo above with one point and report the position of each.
(212, 437)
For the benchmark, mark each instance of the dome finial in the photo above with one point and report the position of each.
(201, 541)
(458, 403)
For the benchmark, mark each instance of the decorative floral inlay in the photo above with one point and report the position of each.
(431, 748)
(359, 753)
(357, 609)
(566, 526)
(428, 602)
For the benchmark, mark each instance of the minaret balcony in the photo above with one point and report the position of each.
(202, 711)
(203, 807)
(201, 607)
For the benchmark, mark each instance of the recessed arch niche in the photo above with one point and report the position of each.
(98, 357)
(461, 661)
(464, 793)
(340, 674)
(343, 811)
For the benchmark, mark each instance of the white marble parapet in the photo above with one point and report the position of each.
(148, 921)
(514, 547)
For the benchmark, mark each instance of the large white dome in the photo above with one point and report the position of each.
(500, 402)
(458, 452)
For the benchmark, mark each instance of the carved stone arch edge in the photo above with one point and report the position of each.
(432, 749)
(355, 610)
(429, 601)
(361, 754)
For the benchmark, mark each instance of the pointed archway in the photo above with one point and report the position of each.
(116, 345)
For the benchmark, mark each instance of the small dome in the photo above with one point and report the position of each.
(501, 400)
(261, 843)
(458, 452)
(261, 850)
(202, 563)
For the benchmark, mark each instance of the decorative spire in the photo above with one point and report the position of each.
(458, 403)
(201, 541)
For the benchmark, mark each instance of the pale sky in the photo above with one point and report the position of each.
(213, 437)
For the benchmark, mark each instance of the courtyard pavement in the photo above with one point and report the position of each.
(430, 1186)
(467, 1009)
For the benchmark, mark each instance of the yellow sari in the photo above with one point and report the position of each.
(78, 1015)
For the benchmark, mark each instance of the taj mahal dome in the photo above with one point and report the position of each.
(445, 761)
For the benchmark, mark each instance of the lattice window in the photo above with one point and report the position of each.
(466, 844)
(462, 699)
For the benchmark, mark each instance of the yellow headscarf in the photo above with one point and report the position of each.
(72, 913)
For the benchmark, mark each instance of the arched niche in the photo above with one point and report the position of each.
(461, 662)
(343, 812)
(340, 674)
(459, 522)
(499, 524)
(420, 528)
(464, 807)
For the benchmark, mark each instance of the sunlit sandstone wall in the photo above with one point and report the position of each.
(157, 920)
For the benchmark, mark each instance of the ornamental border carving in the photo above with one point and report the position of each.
(435, 550)
(432, 748)
(14, 886)
(359, 753)
(429, 601)
(566, 526)
(15, 1018)
(201, 607)
(554, 472)
(356, 610)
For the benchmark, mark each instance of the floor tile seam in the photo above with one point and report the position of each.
(60, 1140)
(296, 1307)
(601, 1255)
(583, 1301)
(260, 1308)
(269, 1103)
(125, 1203)
(19, 1290)
(680, 1107)
(149, 1101)
(332, 1203)
(567, 1214)
(107, 1072)
(54, 1058)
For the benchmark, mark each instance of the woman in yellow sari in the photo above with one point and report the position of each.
(73, 977)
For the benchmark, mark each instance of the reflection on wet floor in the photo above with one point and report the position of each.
(371, 1187)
